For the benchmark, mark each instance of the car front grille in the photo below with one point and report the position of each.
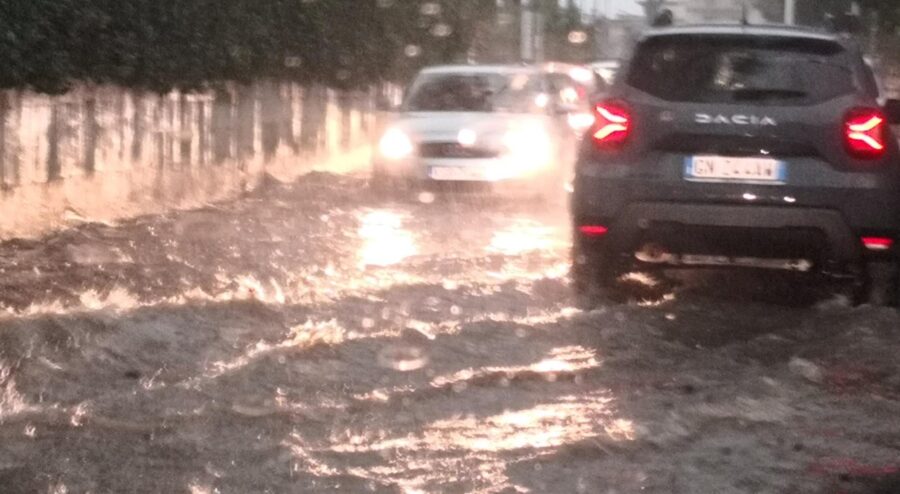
(454, 150)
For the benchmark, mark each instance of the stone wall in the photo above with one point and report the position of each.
(104, 153)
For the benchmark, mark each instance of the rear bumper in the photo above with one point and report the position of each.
(871, 204)
(774, 223)
(821, 236)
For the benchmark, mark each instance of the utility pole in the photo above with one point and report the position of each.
(790, 12)
(528, 30)
(540, 31)
(532, 30)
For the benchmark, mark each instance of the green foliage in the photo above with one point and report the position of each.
(49, 45)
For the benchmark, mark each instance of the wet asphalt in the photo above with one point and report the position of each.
(320, 337)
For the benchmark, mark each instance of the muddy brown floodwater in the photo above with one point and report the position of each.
(314, 337)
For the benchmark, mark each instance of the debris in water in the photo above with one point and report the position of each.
(806, 369)
(402, 358)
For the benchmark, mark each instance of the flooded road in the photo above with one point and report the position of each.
(314, 337)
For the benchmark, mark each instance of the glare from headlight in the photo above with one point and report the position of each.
(395, 145)
(529, 147)
(581, 75)
(569, 95)
(467, 137)
(580, 122)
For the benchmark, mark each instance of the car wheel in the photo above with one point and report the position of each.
(593, 279)
(882, 287)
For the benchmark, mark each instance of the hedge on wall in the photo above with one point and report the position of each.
(48, 45)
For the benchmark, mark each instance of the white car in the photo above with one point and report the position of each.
(491, 124)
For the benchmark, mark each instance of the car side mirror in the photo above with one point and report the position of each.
(892, 110)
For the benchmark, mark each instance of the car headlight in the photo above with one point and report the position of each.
(580, 122)
(395, 145)
(530, 146)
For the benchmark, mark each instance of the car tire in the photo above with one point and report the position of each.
(882, 286)
(593, 280)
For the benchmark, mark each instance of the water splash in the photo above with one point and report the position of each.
(79, 414)
(12, 403)
(58, 488)
(202, 489)
(300, 337)
(249, 288)
(568, 359)
(305, 460)
(523, 236)
(481, 445)
(385, 241)
(117, 299)
(402, 358)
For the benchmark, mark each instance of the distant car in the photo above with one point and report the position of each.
(490, 124)
(606, 69)
(741, 146)
(574, 87)
(584, 79)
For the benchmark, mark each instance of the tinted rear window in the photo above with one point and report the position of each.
(758, 70)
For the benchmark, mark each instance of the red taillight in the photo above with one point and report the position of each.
(593, 230)
(865, 133)
(612, 126)
(878, 243)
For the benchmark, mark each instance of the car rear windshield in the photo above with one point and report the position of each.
(474, 92)
(741, 70)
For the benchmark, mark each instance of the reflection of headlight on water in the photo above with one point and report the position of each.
(395, 145)
(530, 147)
(580, 122)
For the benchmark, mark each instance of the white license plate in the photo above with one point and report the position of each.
(724, 169)
(458, 173)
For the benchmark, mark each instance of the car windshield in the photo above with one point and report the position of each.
(475, 92)
(701, 69)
